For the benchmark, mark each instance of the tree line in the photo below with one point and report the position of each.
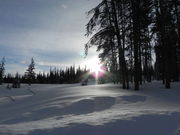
(54, 76)
(137, 39)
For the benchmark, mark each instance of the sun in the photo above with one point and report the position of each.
(95, 67)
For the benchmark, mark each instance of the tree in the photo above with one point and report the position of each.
(167, 40)
(2, 70)
(30, 74)
(105, 22)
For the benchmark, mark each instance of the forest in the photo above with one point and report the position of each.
(137, 39)
(54, 76)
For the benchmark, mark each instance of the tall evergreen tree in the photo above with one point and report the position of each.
(2, 70)
(30, 73)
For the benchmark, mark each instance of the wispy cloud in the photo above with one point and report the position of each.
(64, 6)
(43, 30)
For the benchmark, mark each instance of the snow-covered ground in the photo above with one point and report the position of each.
(90, 110)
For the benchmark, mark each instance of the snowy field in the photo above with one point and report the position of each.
(90, 110)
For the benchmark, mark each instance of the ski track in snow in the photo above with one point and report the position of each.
(90, 110)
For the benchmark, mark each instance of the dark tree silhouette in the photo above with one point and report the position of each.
(2, 70)
(30, 73)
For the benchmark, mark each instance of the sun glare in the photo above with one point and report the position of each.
(96, 69)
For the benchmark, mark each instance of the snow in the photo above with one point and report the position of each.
(72, 109)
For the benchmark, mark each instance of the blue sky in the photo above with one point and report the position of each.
(50, 31)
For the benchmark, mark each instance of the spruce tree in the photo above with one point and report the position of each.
(30, 73)
(2, 70)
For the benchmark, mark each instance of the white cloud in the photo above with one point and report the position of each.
(64, 6)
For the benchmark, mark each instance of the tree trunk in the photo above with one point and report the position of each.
(136, 43)
(122, 62)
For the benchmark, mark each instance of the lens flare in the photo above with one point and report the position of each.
(97, 71)
(96, 68)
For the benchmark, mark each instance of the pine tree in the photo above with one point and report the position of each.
(30, 73)
(166, 28)
(2, 70)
